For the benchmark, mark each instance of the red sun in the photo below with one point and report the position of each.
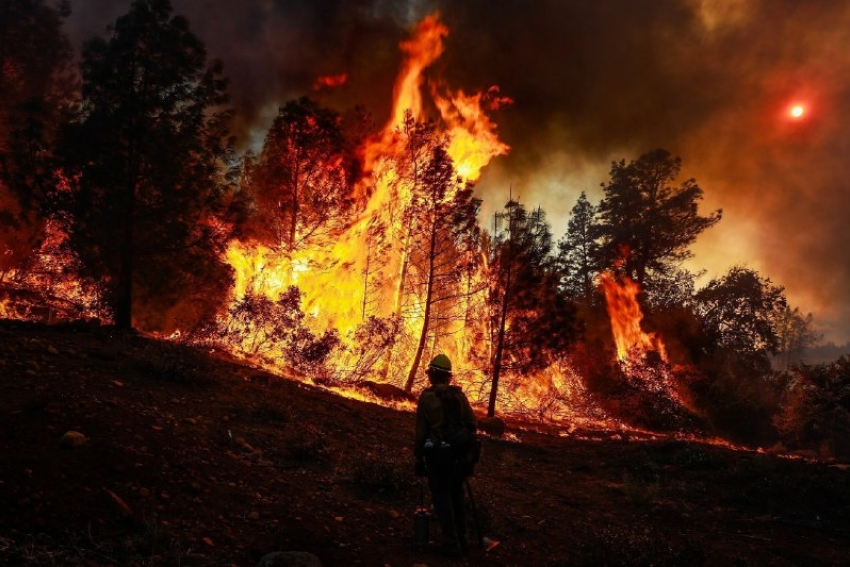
(797, 111)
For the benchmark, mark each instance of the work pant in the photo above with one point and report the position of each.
(447, 496)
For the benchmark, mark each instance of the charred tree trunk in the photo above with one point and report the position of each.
(4, 32)
(124, 295)
(426, 317)
(500, 346)
(503, 318)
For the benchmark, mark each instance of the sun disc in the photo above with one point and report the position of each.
(798, 110)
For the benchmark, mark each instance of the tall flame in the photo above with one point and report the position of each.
(333, 280)
(626, 316)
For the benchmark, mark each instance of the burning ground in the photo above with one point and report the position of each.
(191, 458)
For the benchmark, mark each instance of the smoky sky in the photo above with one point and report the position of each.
(711, 81)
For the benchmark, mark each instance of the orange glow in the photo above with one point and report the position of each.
(626, 316)
(356, 273)
(797, 111)
(327, 82)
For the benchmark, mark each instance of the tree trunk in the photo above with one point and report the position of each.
(124, 299)
(426, 317)
(500, 345)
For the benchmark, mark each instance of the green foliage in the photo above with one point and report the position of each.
(816, 409)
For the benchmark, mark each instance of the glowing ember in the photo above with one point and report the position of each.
(327, 82)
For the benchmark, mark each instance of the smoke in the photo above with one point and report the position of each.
(709, 80)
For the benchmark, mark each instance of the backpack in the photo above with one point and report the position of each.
(464, 449)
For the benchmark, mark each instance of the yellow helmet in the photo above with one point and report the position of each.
(441, 362)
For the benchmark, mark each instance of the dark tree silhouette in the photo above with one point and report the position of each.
(151, 159)
(578, 251)
(645, 222)
(739, 309)
(35, 59)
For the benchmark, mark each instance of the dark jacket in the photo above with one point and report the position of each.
(431, 423)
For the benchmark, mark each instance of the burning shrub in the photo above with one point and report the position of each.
(642, 392)
(372, 340)
(261, 327)
(816, 411)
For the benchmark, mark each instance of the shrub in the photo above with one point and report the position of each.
(815, 413)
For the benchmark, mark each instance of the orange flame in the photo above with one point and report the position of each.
(359, 272)
(327, 82)
(626, 316)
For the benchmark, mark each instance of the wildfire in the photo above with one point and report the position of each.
(626, 316)
(356, 274)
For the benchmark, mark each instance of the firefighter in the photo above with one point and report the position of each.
(444, 425)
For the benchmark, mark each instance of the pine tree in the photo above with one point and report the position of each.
(578, 251)
(532, 321)
(302, 182)
(153, 164)
(646, 224)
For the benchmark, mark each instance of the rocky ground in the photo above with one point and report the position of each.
(183, 457)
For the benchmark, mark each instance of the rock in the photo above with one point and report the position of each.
(289, 559)
(72, 439)
(52, 349)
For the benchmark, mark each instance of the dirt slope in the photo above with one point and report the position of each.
(191, 459)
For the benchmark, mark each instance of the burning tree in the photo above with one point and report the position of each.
(150, 159)
(443, 220)
(35, 59)
(302, 183)
(532, 323)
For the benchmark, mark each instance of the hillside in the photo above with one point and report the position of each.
(193, 459)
